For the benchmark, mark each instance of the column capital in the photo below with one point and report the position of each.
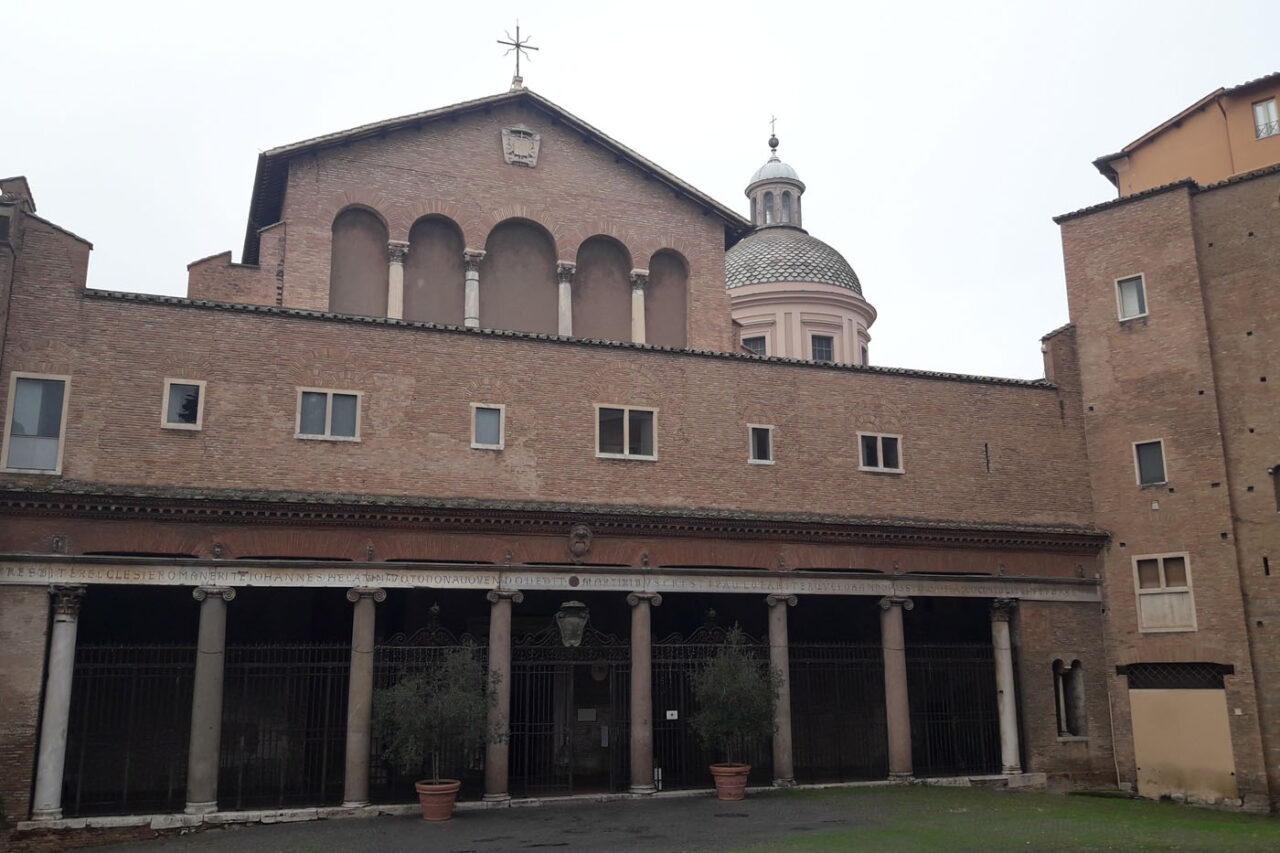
(496, 595)
(565, 270)
(1002, 609)
(896, 601)
(654, 599)
(66, 600)
(397, 250)
(356, 593)
(471, 259)
(200, 593)
(774, 599)
(639, 278)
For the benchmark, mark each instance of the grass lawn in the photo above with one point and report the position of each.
(953, 819)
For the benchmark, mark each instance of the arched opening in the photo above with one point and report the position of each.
(786, 207)
(358, 264)
(754, 221)
(666, 302)
(1275, 483)
(1068, 690)
(433, 272)
(518, 286)
(602, 290)
(768, 208)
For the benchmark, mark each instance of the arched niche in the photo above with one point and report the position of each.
(666, 300)
(602, 290)
(518, 286)
(434, 273)
(358, 264)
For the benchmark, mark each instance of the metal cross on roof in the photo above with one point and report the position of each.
(773, 131)
(518, 45)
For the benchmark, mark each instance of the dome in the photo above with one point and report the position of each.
(786, 254)
(774, 168)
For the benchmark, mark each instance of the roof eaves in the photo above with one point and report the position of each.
(1188, 183)
(1243, 176)
(1064, 327)
(1249, 84)
(58, 227)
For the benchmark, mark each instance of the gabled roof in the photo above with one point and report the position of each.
(273, 165)
(1103, 164)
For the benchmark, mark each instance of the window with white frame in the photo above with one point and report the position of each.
(822, 347)
(760, 438)
(1265, 120)
(756, 344)
(880, 452)
(331, 415)
(488, 425)
(35, 423)
(1131, 297)
(183, 406)
(1148, 460)
(1163, 583)
(626, 432)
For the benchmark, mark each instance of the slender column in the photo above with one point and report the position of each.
(57, 703)
(396, 251)
(642, 692)
(206, 699)
(471, 259)
(896, 704)
(565, 271)
(784, 775)
(496, 752)
(1006, 700)
(355, 790)
(639, 279)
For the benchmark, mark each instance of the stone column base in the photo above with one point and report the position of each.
(784, 783)
(646, 790)
(47, 814)
(201, 808)
(900, 777)
(355, 804)
(496, 798)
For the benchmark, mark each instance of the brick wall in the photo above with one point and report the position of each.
(24, 617)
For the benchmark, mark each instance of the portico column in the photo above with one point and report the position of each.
(355, 789)
(642, 691)
(206, 699)
(896, 703)
(396, 251)
(47, 804)
(471, 259)
(564, 272)
(639, 278)
(496, 753)
(1006, 700)
(780, 659)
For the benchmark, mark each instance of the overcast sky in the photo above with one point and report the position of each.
(937, 140)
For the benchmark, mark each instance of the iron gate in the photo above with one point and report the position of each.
(130, 723)
(570, 713)
(837, 712)
(955, 723)
(679, 758)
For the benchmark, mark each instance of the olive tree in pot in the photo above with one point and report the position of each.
(422, 714)
(736, 695)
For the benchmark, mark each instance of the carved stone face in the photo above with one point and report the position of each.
(579, 541)
(571, 619)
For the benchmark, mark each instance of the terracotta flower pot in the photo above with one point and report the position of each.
(437, 799)
(731, 780)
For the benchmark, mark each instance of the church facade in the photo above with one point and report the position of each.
(482, 370)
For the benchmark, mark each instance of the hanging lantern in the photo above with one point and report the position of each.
(571, 619)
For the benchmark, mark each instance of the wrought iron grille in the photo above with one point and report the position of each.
(1176, 676)
(130, 723)
(955, 723)
(837, 712)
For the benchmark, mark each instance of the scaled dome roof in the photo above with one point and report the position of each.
(784, 253)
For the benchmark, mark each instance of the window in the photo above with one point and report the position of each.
(1068, 690)
(1163, 582)
(625, 432)
(880, 452)
(768, 208)
(866, 356)
(37, 420)
(333, 415)
(761, 441)
(822, 347)
(1132, 297)
(1265, 121)
(786, 207)
(487, 426)
(183, 404)
(756, 344)
(1149, 459)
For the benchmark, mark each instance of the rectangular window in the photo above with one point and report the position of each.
(183, 404)
(880, 452)
(1132, 297)
(822, 347)
(625, 432)
(755, 344)
(1149, 459)
(761, 441)
(333, 415)
(1163, 583)
(487, 423)
(36, 423)
(866, 356)
(1265, 120)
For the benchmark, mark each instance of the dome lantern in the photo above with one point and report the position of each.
(775, 191)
